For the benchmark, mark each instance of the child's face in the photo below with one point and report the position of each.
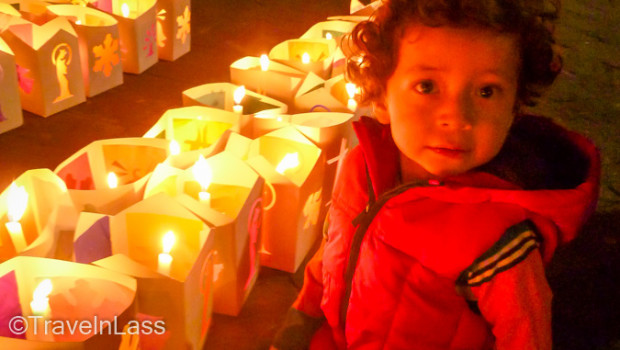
(451, 98)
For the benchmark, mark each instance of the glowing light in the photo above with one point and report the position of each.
(328, 36)
(264, 62)
(112, 180)
(174, 147)
(239, 94)
(40, 300)
(164, 260)
(290, 161)
(305, 58)
(351, 89)
(125, 10)
(78, 22)
(168, 242)
(17, 202)
(202, 172)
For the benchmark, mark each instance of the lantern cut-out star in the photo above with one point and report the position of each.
(184, 26)
(107, 55)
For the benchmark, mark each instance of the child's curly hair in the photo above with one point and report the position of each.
(372, 46)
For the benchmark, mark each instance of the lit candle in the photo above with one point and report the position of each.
(290, 161)
(264, 66)
(17, 203)
(305, 58)
(203, 174)
(328, 36)
(40, 305)
(165, 259)
(351, 91)
(238, 96)
(112, 180)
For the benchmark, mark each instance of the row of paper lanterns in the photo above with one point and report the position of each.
(173, 226)
(53, 56)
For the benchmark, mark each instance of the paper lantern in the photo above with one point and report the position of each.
(221, 95)
(306, 55)
(10, 107)
(196, 130)
(293, 169)
(131, 243)
(64, 294)
(100, 53)
(173, 28)
(137, 26)
(233, 212)
(278, 81)
(130, 159)
(48, 64)
(316, 94)
(47, 221)
(329, 30)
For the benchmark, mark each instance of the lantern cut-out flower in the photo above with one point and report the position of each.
(184, 25)
(107, 55)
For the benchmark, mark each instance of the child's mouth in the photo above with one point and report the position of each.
(449, 152)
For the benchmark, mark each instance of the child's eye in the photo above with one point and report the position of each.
(487, 91)
(425, 87)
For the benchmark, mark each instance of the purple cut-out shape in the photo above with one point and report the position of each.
(94, 243)
(10, 307)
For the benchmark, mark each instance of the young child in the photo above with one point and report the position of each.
(447, 212)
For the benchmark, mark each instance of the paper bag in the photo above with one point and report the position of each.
(100, 53)
(87, 307)
(130, 159)
(10, 105)
(233, 213)
(48, 64)
(173, 28)
(279, 81)
(316, 94)
(221, 95)
(292, 195)
(137, 27)
(49, 219)
(318, 52)
(329, 30)
(181, 296)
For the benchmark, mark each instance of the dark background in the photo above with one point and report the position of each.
(585, 275)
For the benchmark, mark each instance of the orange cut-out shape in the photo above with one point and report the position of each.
(184, 27)
(107, 54)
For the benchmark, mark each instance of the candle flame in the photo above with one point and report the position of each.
(239, 94)
(174, 147)
(351, 89)
(305, 58)
(202, 172)
(264, 62)
(168, 241)
(290, 161)
(42, 291)
(328, 36)
(17, 202)
(78, 22)
(112, 180)
(125, 10)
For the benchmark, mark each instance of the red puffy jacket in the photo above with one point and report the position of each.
(451, 265)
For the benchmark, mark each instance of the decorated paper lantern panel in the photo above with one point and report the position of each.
(99, 43)
(137, 26)
(10, 105)
(307, 55)
(48, 64)
(173, 28)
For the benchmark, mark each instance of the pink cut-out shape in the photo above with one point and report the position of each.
(254, 225)
(77, 174)
(25, 83)
(150, 40)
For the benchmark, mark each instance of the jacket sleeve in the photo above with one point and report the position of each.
(305, 317)
(509, 284)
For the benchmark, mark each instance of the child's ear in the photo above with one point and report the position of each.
(380, 112)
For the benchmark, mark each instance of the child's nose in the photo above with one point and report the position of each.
(456, 113)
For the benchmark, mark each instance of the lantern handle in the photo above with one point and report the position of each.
(273, 196)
